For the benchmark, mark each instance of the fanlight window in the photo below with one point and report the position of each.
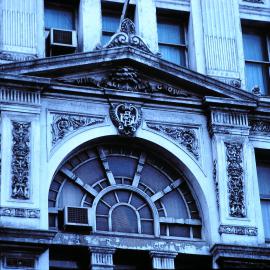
(127, 190)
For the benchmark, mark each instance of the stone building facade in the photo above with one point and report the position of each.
(143, 144)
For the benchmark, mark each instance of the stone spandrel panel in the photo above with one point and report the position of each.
(18, 31)
(220, 38)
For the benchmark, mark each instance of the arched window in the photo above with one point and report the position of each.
(127, 188)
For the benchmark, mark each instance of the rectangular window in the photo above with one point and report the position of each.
(111, 14)
(263, 172)
(60, 26)
(172, 37)
(256, 52)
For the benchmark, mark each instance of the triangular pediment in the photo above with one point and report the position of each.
(127, 69)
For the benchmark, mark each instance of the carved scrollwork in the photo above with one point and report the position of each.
(240, 230)
(126, 117)
(19, 212)
(259, 126)
(66, 124)
(128, 79)
(235, 180)
(127, 37)
(184, 136)
(20, 165)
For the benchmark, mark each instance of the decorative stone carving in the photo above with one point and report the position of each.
(172, 91)
(126, 117)
(259, 126)
(235, 83)
(235, 180)
(240, 230)
(128, 79)
(255, 1)
(19, 96)
(127, 37)
(16, 57)
(184, 136)
(19, 212)
(64, 124)
(256, 90)
(216, 181)
(20, 165)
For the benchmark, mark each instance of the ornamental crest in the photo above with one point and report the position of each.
(126, 117)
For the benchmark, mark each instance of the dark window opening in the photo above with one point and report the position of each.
(172, 31)
(111, 14)
(257, 63)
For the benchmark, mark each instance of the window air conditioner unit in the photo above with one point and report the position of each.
(76, 216)
(63, 38)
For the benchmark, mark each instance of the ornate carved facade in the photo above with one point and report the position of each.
(113, 155)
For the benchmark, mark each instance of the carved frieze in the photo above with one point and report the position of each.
(126, 117)
(20, 165)
(235, 174)
(19, 212)
(64, 124)
(258, 126)
(128, 79)
(186, 137)
(127, 37)
(239, 230)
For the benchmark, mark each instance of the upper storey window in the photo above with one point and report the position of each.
(172, 37)
(256, 51)
(263, 172)
(60, 27)
(111, 14)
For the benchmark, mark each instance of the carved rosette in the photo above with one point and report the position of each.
(235, 180)
(126, 117)
(20, 165)
(64, 124)
(184, 136)
(239, 230)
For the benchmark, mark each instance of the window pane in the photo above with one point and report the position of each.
(266, 217)
(263, 171)
(169, 32)
(173, 54)
(59, 18)
(124, 219)
(256, 74)
(255, 47)
(110, 23)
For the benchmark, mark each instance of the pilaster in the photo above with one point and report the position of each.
(221, 39)
(146, 23)
(101, 258)
(20, 135)
(162, 260)
(232, 175)
(90, 26)
(20, 29)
